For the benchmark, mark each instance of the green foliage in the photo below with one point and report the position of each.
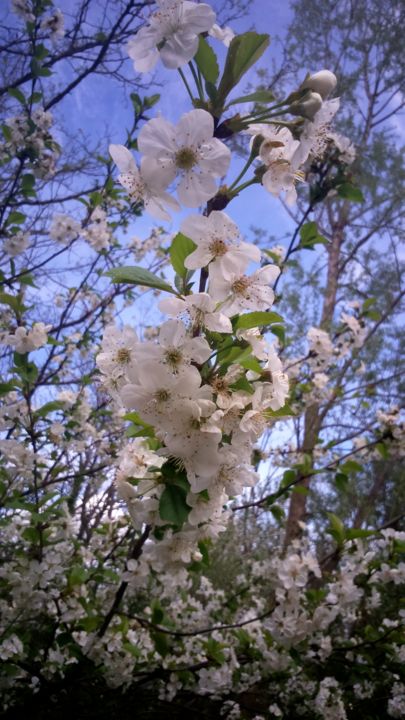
(207, 61)
(139, 276)
(180, 248)
(243, 52)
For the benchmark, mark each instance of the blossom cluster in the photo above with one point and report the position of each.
(206, 388)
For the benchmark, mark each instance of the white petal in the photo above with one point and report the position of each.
(196, 188)
(199, 349)
(123, 159)
(157, 175)
(172, 333)
(195, 127)
(198, 259)
(179, 49)
(195, 227)
(218, 322)
(157, 138)
(214, 157)
(172, 306)
(199, 17)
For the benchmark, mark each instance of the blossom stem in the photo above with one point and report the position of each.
(243, 171)
(252, 181)
(183, 77)
(265, 115)
(197, 81)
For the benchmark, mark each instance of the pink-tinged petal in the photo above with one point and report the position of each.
(214, 157)
(123, 159)
(157, 138)
(194, 128)
(196, 188)
(199, 17)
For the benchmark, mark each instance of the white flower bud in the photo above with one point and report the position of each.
(322, 82)
(308, 106)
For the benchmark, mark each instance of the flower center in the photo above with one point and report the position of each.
(220, 385)
(240, 286)
(123, 356)
(185, 158)
(173, 357)
(218, 247)
(162, 395)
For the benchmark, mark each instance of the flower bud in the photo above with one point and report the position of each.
(322, 82)
(308, 106)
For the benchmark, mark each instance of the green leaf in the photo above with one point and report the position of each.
(13, 301)
(207, 61)
(150, 101)
(341, 481)
(17, 94)
(139, 276)
(35, 97)
(6, 387)
(136, 102)
(15, 218)
(250, 363)
(260, 96)
(28, 184)
(41, 51)
(243, 52)
(350, 192)
(257, 319)
(214, 650)
(181, 247)
(7, 132)
(77, 575)
(350, 466)
(310, 236)
(359, 533)
(172, 505)
(336, 529)
(243, 384)
(278, 331)
(285, 411)
(51, 406)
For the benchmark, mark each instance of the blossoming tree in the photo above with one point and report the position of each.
(129, 448)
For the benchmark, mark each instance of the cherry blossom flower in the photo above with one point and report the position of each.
(187, 149)
(172, 34)
(16, 244)
(142, 185)
(201, 309)
(236, 292)
(216, 239)
(24, 341)
(176, 347)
